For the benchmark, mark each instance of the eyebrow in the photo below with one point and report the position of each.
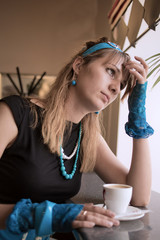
(118, 70)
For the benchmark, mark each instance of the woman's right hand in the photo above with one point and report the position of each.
(92, 215)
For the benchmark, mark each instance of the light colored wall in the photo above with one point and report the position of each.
(145, 48)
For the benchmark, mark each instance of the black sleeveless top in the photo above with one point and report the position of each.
(28, 169)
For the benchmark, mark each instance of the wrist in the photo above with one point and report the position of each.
(22, 217)
(138, 133)
(137, 127)
(136, 100)
(45, 218)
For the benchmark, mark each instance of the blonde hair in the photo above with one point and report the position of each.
(54, 122)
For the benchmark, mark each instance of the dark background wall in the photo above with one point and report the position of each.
(39, 35)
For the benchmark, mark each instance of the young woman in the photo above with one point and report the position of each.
(46, 144)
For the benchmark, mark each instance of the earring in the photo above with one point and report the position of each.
(96, 112)
(74, 82)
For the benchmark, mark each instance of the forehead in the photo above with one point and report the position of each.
(116, 60)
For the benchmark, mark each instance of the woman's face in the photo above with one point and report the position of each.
(99, 83)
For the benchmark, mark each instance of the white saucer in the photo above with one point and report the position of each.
(137, 213)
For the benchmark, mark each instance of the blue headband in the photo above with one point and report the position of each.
(100, 46)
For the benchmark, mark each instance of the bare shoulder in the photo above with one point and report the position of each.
(5, 114)
(8, 128)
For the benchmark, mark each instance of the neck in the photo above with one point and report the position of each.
(74, 109)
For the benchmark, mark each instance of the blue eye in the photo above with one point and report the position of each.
(111, 72)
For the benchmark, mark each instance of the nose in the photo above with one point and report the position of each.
(114, 88)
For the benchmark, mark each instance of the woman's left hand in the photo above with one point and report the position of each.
(138, 69)
(93, 215)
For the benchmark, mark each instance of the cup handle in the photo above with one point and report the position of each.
(103, 194)
(104, 204)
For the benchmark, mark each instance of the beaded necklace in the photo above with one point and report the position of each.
(63, 169)
(64, 156)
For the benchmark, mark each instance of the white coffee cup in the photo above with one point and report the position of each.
(117, 197)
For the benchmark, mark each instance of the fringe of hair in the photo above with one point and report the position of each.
(91, 126)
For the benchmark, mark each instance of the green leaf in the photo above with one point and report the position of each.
(158, 54)
(153, 64)
(157, 81)
(153, 70)
(154, 59)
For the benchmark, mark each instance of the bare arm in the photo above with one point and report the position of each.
(5, 210)
(8, 133)
(110, 169)
(140, 172)
(8, 128)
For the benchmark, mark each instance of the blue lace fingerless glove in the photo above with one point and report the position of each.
(22, 218)
(46, 217)
(137, 127)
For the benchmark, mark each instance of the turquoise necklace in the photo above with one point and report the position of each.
(63, 169)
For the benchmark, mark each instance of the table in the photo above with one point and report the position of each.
(145, 228)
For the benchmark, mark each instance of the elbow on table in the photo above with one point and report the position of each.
(141, 202)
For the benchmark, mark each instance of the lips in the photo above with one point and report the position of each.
(105, 96)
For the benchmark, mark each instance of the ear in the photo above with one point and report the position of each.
(77, 64)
